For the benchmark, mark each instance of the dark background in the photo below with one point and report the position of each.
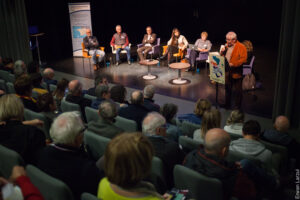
(254, 20)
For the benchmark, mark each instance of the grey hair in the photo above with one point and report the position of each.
(18, 68)
(100, 90)
(11, 107)
(66, 127)
(137, 97)
(151, 122)
(107, 110)
(149, 91)
(231, 35)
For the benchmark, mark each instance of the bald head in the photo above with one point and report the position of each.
(137, 98)
(48, 73)
(216, 142)
(282, 123)
(75, 87)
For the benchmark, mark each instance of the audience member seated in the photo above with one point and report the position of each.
(48, 75)
(99, 80)
(118, 94)
(47, 106)
(135, 111)
(250, 145)
(21, 187)
(201, 106)
(66, 160)
(1, 62)
(211, 119)
(102, 94)
(235, 122)
(60, 92)
(105, 125)
(24, 139)
(169, 111)
(240, 179)
(23, 88)
(37, 79)
(75, 96)
(149, 92)
(33, 67)
(19, 68)
(2, 92)
(168, 151)
(128, 160)
(8, 65)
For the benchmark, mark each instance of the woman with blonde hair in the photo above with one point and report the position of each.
(127, 162)
(211, 119)
(235, 122)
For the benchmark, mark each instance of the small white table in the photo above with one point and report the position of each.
(180, 66)
(149, 63)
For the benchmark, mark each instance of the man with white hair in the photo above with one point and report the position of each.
(120, 42)
(48, 75)
(92, 45)
(168, 151)
(66, 160)
(236, 55)
(149, 92)
(19, 68)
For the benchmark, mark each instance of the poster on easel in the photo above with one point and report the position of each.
(217, 68)
(80, 20)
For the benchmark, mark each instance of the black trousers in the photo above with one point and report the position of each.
(233, 83)
(170, 51)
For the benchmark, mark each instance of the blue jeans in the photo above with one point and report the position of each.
(94, 54)
(118, 53)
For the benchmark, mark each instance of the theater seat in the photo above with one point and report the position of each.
(91, 114)
(68, 106)
(199, 186)
(2, 85)
(187, 128)
(90, 97)
(88, 196)
(9, 159)
(52, 87)
(188, 143)
(126, 124)
(51, 188)
(95, 144)
(10, 88)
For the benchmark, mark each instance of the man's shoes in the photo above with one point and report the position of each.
(117, 63)
(129, 63)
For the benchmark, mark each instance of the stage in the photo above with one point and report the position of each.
(258, 102)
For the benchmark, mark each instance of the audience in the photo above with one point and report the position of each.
(66, 160)
(235, 122)
(211, 119)
(22, 188)
(201, 106)
(75, 96)
(118, 94)
(239, 180)
(37, 79)
(135, 111)
(48, 75)
(105, 125)
(25, 139)
(60, 92)
(19, 68)
(250, 145)
(168, 151)
(8, 65)
(102, 94)
(1, 62)
(23, 88)
(33, 67)
(128, 160)
(149, 92)
(169, 111)
(99, 80)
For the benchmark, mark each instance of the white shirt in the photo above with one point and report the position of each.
(147, 44)
(234, 128)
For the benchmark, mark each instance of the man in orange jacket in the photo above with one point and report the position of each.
(236, 55)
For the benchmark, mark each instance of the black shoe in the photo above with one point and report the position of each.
(117, 63)
(190, 69)
(129, 63)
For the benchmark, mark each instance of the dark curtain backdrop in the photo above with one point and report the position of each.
(287, 88)
(14, 38)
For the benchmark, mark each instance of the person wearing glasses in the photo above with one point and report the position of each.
(236, 55)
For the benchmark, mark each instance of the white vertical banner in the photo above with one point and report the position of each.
(80, 20)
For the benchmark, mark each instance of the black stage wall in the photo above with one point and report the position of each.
(255, 20)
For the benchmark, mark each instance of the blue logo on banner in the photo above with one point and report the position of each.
(79, 32)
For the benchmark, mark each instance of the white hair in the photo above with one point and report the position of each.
(18, 68)
(151, 122)
(149, 91)
(66, 127)
(231, 35)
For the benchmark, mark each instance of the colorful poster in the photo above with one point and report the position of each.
(80, 20)
(217, 67)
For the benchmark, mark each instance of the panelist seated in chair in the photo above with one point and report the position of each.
(120, 42)
(177, 42)
(92, 45)
(202, 45)
(148, 41)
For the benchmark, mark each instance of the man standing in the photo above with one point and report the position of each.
(91, 44)
(236, 55)
(147, 42)
(120, 42)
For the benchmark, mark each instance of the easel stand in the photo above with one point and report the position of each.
(37, 46)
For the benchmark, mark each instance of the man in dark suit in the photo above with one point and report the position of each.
(148, 42)
(135, 111)
(168, 151)
(66, 160)
(149, 92)
(99, 80)
(75, 96)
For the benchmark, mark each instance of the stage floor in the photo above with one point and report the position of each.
(258, 102)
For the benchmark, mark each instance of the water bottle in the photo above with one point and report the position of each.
(158, 64)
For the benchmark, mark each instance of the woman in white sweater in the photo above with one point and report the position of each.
(235, 122)
(176, 42)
